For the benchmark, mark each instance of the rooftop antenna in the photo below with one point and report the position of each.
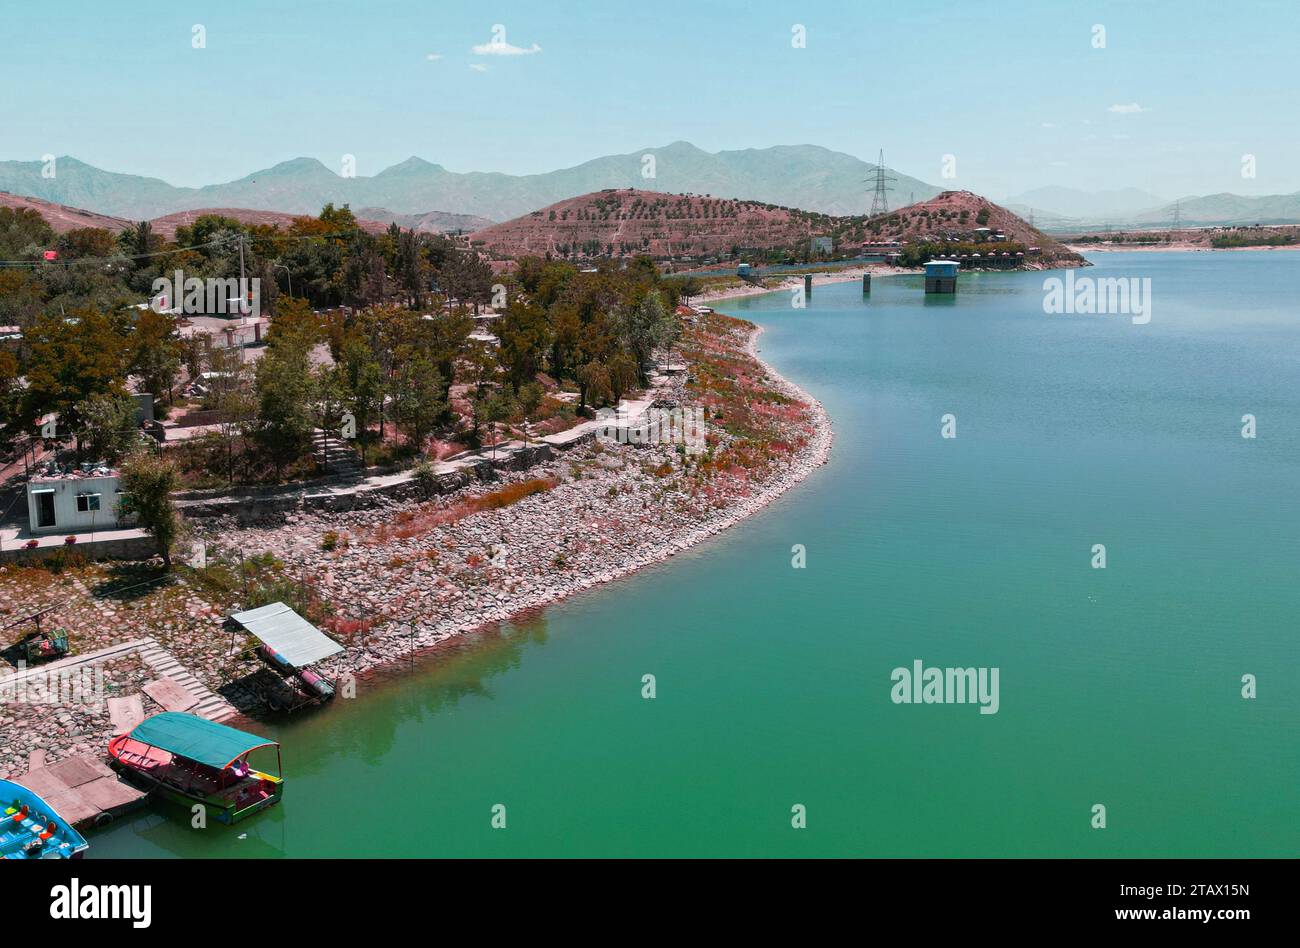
(879, 202)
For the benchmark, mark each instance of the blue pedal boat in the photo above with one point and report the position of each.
(31, 829)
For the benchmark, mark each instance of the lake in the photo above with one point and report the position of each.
(1119, 686)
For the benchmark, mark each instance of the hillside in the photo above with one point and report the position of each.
(166, 225)
(433, 222)
(629, 222)
(804, 176)
(62, 218)
(957, 216)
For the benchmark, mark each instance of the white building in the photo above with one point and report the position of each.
(74, 503)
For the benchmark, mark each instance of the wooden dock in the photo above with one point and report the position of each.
(83, 790)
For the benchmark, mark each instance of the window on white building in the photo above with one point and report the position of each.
(87, 503)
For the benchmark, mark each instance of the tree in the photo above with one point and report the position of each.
(363, 385)
(331, 399)
(108, 426)
(499, 407)
(148, 481)
(525, 337)
(12, 420)
(418, 399)
(23, 234)
(643, 328)
(285, 395)
(156, 357)
(529, 401)
(233, 400)
(593, 384)
(72, 359)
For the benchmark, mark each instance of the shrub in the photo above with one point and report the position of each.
(425, 478)
(329, 540)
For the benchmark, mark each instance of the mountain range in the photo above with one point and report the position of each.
(803, 176)
(1076, 204)
(419, 193)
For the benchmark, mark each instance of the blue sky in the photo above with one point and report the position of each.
(1014, 90)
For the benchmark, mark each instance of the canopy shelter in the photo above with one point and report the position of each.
(284, 631)
(197, 739)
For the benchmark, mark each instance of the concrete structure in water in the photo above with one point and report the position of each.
(941, 276)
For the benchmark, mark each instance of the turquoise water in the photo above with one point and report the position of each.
(1119, 686)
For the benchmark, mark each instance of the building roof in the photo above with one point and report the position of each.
(197, 738)
(296, 640)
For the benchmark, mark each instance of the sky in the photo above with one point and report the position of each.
(1020, 94)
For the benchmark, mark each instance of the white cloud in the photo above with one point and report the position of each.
(1050, 125)
(432, 56)
(1131, 108)
(502, 48)
(478, 67)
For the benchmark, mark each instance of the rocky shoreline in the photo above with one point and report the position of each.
(400, 578)
(503, 563)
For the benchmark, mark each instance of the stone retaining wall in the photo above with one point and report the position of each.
(251, 506)
(119, 548)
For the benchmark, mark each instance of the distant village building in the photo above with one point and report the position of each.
(68, 502)
(214, 332)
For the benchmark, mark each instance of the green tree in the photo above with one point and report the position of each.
(363, 384)
(525, 337)
(108, 426)
(285, 396)
(419, 399)
(498, 407)
(156, 357)
(148, 482)
(72, 359)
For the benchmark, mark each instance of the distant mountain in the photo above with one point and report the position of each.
(1226, 209)
(804, 176)
(62, 218)
(1085, 205)
(434, 222)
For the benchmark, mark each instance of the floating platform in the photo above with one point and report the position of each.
(84, 791)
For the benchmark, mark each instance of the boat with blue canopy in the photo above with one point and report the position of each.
(31, 829)
(192, 760)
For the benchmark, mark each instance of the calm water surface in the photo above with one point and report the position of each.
(1118, 686)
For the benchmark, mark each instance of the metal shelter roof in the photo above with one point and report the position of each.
(297, 640)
